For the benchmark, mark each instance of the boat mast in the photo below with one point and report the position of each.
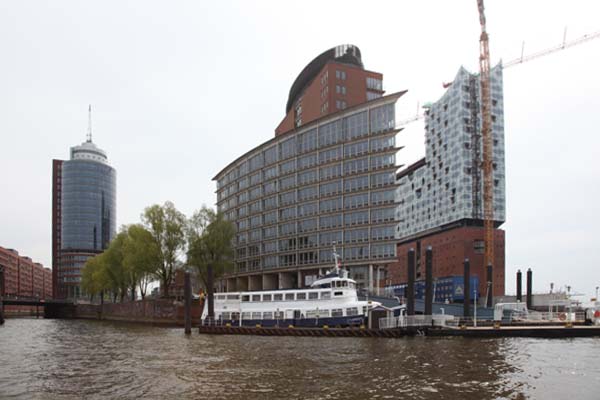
(336, 258)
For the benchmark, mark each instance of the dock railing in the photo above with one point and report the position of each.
(418, 321)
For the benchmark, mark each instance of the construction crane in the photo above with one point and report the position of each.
(517, 61)
(486, 136)
(564, 45)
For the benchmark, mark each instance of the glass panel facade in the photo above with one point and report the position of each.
(88, 205)
(295, 196)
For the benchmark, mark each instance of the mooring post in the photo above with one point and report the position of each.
(490, 291)
(187, 293)
(410, 287)
(529, 288)
(467, 288)
(210, 290)
(428, 281)
(519, 286)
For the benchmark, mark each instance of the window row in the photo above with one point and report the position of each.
(348, 251)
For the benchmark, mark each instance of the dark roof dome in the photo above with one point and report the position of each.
(345, 53)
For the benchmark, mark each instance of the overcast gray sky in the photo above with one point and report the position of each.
(179, 89)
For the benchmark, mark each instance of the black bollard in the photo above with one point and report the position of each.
(467, 289)
(428, 281)
(519, 286)
(490, 282)
(410, 287)
(529, 288)
(187, 293)
(211, 295)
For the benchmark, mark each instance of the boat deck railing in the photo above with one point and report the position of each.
(536, 316)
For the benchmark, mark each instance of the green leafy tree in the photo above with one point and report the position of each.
(89, 282)
(112, 258)
(141, 258)
(167, 227)
(210, 238)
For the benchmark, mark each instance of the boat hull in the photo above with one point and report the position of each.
(355, 320)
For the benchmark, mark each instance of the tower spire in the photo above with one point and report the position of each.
(89, 131)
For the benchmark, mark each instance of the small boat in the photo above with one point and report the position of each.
(330, 300)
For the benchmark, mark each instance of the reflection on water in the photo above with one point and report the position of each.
(62, 359)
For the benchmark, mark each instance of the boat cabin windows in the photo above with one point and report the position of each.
(266, 297)
(340, 283)
(351, 311)
(235, 316)
(313, 295)
(220, 297)
(267, 315)
(301, 296)
(233, 297)
(256, 315)
(256, 297)
(337, 312)
(278, 297)
(278, 314)
(225, 315)
(246, 297)
(289, 296)
(325, 285)
(325, 295)
(246, 315)
(338, 293)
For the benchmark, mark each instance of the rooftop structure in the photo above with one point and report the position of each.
(333, 81)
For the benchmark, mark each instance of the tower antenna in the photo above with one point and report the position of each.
(89, 131)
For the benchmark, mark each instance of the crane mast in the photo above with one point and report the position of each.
(486, 134)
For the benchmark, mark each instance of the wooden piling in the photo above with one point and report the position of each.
(428, 281)
(187, 293)
(410, 287)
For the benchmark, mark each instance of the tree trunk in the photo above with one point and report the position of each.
(165, 287)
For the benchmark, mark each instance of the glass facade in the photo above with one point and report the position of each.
(331, 182)
(88, 205)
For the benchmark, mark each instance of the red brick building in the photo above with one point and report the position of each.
(450, 248)
(23, 277)
(333, 81)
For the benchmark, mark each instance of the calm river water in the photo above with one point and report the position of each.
(69, 359)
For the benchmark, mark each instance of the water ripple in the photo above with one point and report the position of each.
(59, 359)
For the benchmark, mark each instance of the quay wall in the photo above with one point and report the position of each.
(152, 311)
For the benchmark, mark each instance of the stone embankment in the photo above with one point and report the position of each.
(152, 311)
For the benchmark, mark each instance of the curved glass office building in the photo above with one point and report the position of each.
(329, 180)
(85, 197)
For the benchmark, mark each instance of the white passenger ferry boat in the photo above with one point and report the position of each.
(331, 300)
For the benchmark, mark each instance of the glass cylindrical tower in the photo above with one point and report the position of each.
(88, 212)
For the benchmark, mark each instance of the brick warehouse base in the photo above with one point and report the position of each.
(450, 248)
